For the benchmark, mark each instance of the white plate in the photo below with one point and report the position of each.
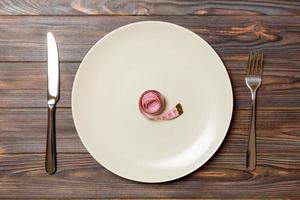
(151, 55)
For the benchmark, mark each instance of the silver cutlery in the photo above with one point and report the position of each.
(253, 80)
(53, 97)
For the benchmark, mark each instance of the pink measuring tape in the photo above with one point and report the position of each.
(152, 104)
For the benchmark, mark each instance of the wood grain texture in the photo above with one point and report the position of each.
(24, 38)
(280, 87)
(79, 176)
(233, 28)
(24, 131)
(144, 7)
(24, 53)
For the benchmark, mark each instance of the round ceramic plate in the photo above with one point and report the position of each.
(164, 57)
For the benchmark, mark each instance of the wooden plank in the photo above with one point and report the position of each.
(143, 7)
(24, 131)
(80, 176)
(17, 90)
(24, 39)
(280, 88)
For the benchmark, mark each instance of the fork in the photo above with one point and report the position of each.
(253, 79)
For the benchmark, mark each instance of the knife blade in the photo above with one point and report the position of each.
(53, 97)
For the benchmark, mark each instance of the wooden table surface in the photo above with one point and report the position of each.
(233, 28)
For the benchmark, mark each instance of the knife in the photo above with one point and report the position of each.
(53, 97)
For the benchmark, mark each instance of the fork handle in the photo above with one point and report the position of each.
(251, 149)
(50, 161)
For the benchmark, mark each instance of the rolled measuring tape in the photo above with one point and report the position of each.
(152, 104)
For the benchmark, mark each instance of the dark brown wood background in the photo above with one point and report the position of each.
(233, 28)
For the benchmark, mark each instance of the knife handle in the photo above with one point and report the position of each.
(51, 143)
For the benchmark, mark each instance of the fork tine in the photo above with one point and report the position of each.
(261, 63)
(250, 58)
